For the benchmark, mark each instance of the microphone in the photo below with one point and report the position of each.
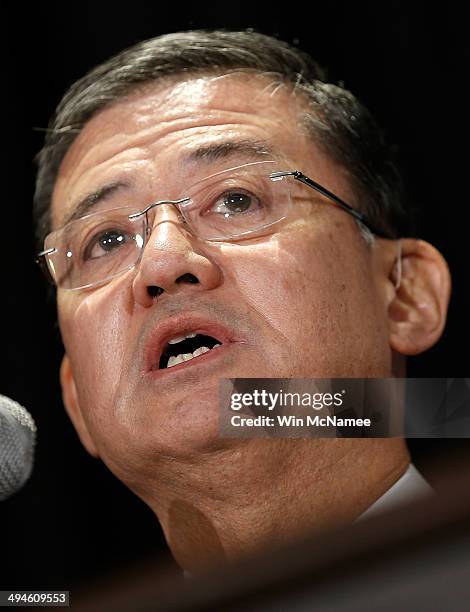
(17, 441)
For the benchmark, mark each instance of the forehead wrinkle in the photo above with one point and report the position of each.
(198, 116)
(136, 152)
(171, 126)
(152, 101)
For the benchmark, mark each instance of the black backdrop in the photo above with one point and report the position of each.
(408, 63)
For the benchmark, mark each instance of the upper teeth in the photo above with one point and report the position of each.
(181, 338)
(187, 356)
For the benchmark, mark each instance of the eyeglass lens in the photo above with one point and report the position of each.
(226, 205)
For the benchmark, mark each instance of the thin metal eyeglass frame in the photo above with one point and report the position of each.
(296, 174)
(303, 179)
(329, 194)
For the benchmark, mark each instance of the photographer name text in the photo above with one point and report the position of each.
(294, 421)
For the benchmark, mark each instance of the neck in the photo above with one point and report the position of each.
(235, 502)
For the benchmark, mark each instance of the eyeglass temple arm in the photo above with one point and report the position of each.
(41, 261)
(346, 207)
(43, 253)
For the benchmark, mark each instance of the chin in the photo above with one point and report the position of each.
(185, 429)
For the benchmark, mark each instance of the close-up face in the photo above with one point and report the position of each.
(306, 299)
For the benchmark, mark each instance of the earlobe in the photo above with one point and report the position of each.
(72, 405)
(418, 309)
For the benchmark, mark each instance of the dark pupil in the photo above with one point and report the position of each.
(110, 240)
(237, 202)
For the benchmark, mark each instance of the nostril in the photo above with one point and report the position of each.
(187, 278)
(154, 291)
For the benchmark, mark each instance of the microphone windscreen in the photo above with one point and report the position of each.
(17, 441)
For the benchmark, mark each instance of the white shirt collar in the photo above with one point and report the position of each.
(411, 486)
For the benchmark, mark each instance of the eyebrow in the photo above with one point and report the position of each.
(94, 198)
(246, 148)
(233, 148)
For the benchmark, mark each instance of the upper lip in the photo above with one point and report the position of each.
(179, 325)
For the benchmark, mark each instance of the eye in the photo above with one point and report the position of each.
(235, 202)
(105, 243)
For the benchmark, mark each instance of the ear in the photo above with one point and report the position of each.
(72, 405)
(418, 307)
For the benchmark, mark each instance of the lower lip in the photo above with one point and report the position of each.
(195, 361)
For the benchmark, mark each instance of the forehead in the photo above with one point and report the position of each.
(145, 136)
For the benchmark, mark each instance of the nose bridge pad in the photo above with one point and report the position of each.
(150, 226)
(147, 227)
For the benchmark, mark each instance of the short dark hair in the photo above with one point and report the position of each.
(340, 124)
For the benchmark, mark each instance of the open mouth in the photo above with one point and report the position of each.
(185, 348)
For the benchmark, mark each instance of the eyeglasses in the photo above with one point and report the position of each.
(230, 205)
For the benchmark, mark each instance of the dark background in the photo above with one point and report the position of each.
(409, 64)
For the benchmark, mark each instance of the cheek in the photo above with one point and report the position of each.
(93, 335)
(316, 296)
(289, 280)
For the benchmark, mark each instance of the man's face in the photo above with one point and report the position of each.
(303, 301)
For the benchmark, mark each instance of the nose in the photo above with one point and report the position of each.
(173, 260)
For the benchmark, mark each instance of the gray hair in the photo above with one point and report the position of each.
(335, 119)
